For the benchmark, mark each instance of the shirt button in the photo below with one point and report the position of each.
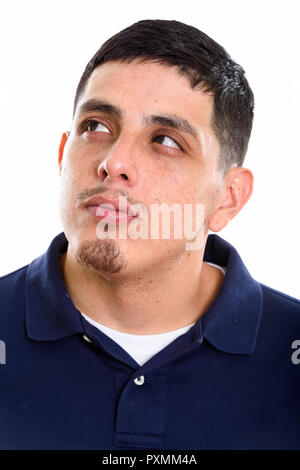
(139, 380)
(87, 339)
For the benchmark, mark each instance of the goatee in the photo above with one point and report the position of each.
(101, 256)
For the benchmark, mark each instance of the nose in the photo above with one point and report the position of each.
(119, 166)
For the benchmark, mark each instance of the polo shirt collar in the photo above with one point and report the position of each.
(49, 311)
(232, 321)
(230, 324)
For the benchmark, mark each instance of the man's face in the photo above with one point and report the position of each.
(127, 153)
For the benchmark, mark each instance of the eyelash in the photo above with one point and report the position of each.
(169, 137)
(85, 124)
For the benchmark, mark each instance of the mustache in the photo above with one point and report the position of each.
(110, 194)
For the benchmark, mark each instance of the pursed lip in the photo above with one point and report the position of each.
(99, 200)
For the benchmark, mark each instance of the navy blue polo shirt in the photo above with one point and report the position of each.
(227, 383)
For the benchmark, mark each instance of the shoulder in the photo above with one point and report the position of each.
(10, 278)
(12, 288)
(280, 299)
(280, 309)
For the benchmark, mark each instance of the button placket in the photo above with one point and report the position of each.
(141, 411)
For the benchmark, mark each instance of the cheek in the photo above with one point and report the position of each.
(71, 183)
(172, 188)
(75, 168)
(165, 188)
(77, 154)
(69, 179)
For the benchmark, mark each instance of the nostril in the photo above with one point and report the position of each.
(103, 174)
(125, 177)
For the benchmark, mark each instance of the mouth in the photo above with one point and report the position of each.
(112, 210)
(111, 216)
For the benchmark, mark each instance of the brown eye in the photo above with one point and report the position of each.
(95, 126)
(167, 141)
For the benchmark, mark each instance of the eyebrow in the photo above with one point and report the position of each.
(167, 119)
(100, 106)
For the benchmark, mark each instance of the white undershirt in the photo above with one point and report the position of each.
(143, 347)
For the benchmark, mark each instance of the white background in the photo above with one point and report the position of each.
(45, 47)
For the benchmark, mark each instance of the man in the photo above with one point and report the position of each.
(140, 342)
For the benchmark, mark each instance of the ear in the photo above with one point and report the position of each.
(62, 144)
(237, 189)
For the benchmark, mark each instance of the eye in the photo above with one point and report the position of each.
(94, 126)
(168, 141)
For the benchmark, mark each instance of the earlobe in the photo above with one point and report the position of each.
(237, 189)
(62, 144)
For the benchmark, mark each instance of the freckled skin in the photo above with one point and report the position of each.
(120, 281)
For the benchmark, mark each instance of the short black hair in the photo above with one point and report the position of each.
(203, 61)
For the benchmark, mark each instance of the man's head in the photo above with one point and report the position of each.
(161, 115)
(204, 62)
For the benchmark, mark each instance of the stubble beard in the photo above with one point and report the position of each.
(101, 256)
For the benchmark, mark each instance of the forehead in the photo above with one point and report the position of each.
(152, 87)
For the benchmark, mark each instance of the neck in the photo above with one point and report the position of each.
(154, 303)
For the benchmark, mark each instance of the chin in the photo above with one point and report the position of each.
(101, 256)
